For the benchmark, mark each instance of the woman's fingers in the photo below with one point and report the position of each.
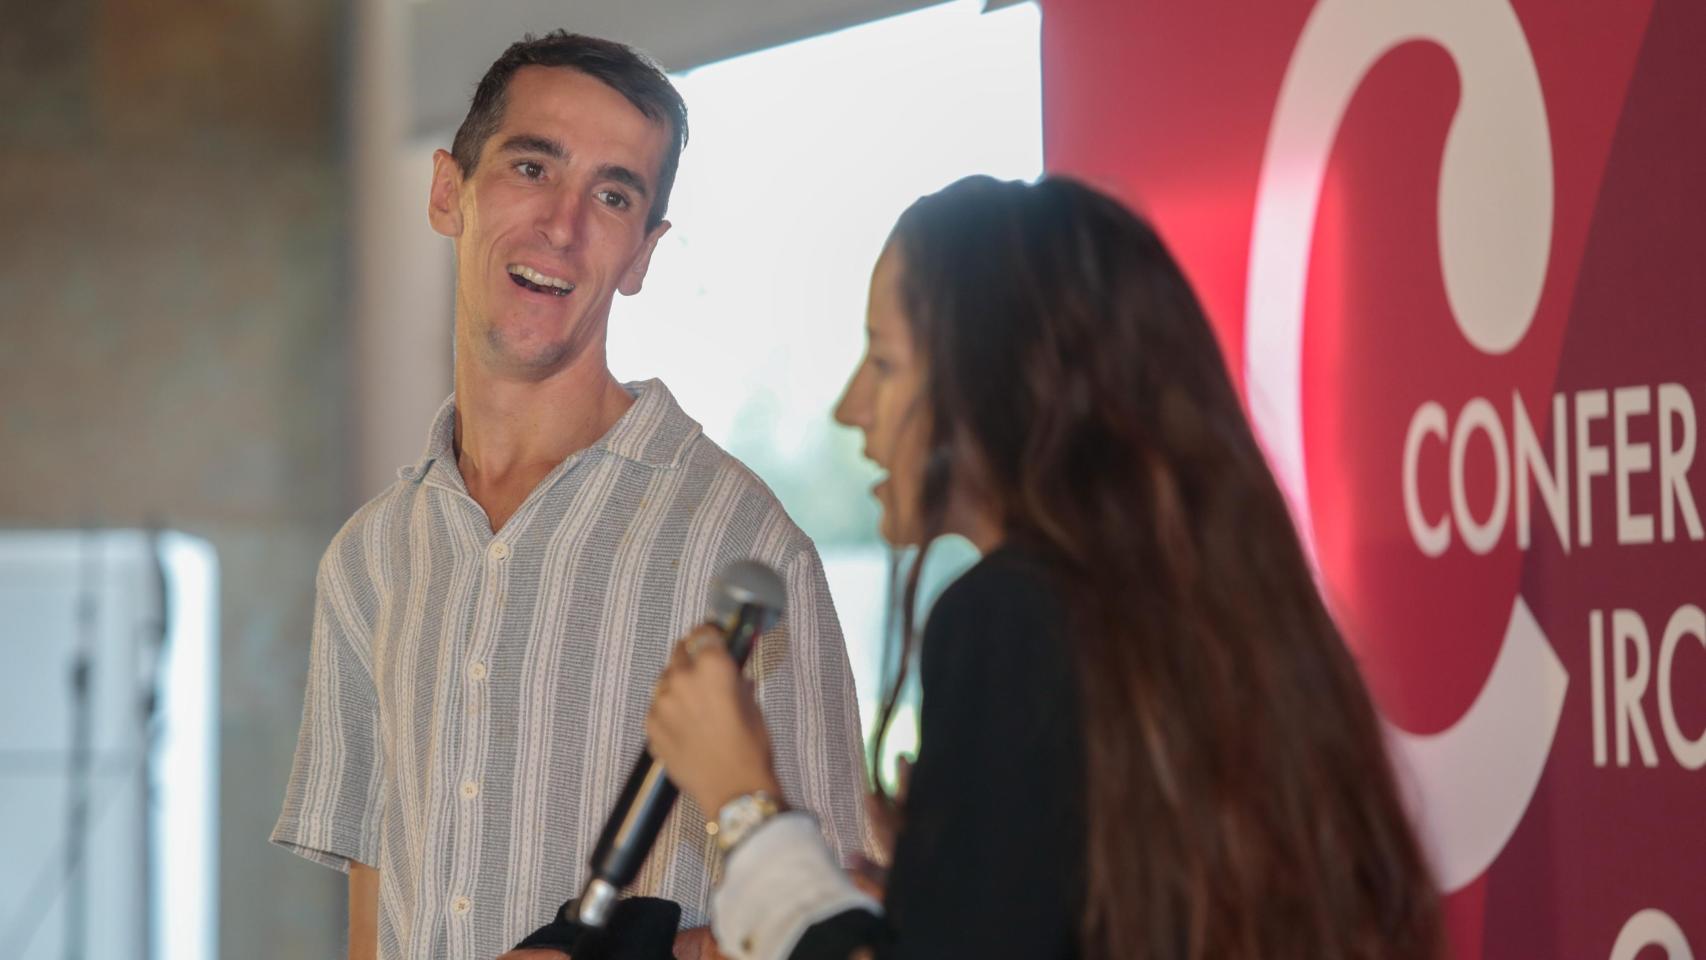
(705, 724)
(883, 813)
(696, 640)
(698, 687)
(870, 877)
(687, 653)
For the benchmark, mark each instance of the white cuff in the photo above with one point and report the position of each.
(778, 882)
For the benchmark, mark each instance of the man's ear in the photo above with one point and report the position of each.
(635, 276)
(444, 201)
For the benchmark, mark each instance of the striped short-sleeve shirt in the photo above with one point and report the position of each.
(475, 700)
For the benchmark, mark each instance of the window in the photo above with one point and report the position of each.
(109, 816)
(800, 159)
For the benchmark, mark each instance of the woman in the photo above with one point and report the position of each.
(1141, 734)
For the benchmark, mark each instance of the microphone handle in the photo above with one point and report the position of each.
(647, 798)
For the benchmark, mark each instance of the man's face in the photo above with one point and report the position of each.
(552, 222)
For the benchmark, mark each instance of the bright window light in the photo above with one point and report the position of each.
(800, 159)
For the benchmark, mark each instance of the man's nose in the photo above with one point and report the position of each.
(560, 221)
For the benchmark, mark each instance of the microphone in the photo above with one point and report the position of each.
(746, 599)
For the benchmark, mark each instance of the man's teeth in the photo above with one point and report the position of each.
(533, 276)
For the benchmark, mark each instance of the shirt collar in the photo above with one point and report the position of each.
(654, 432)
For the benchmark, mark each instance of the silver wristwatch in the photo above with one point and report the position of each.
(741, 816)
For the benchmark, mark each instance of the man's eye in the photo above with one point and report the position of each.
(614, 198)
(530, 169)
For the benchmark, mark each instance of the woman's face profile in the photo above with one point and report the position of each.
(885, 399)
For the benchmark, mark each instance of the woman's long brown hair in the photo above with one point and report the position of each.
(1240, 802)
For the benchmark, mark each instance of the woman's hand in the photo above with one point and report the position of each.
(705, 727)
(872, 876)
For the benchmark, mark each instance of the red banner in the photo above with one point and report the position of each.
(1454, 250)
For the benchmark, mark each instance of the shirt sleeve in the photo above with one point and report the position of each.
(779, 882)
(331, 803)
(805, 689)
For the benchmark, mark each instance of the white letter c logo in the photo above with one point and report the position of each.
(1470, 784)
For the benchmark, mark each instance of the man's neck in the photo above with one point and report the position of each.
(511, 432)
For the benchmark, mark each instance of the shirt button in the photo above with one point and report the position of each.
(461, 905)
(470, 789)
(498, 550)
(477, 671)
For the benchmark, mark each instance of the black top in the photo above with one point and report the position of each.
(990, 860)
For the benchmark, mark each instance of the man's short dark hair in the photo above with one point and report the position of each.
(618, 66)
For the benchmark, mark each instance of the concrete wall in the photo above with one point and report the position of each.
(176, 346)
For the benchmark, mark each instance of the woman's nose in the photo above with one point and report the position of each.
(851, 409)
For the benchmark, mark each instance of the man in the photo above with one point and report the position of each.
(488, 630)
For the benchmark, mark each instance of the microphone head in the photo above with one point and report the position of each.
(747, 583)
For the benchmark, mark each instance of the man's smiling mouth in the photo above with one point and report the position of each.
(528, 278)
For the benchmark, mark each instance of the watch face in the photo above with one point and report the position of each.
(740, 815)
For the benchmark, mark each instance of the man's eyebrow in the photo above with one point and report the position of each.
(625, 177)
(534, 143)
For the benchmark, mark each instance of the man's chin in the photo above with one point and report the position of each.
(529, 360)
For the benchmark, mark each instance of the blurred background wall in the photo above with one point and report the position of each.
(174, 187)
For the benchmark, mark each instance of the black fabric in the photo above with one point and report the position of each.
(990, 860)
(841, 934)
(641, 928)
